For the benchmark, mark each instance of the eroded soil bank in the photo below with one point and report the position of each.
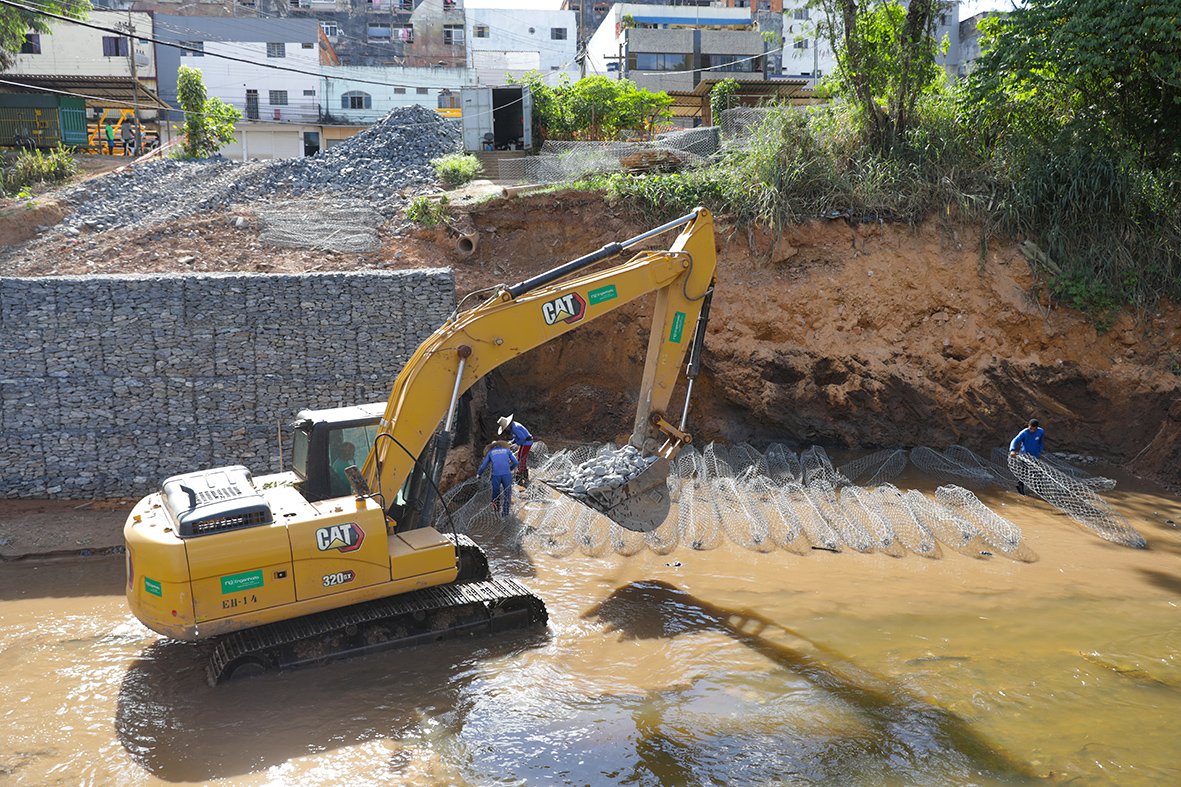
(847, 335)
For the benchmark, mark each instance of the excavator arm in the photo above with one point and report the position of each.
(518, 318)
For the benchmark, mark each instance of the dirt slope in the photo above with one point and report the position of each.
(845, 335)
(870, 335)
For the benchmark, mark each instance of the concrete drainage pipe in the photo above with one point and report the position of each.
(467, 243)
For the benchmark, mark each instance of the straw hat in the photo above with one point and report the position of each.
(504, 423)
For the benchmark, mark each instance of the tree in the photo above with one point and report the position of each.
(885, 59)
(15, 24)
(722, 96)
(1097, 69)
(593, 108)
(209, 122)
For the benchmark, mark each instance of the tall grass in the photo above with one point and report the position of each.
(32, 167)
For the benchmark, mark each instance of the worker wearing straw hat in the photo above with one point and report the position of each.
(523, 440)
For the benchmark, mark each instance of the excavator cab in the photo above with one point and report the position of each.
(327, 441)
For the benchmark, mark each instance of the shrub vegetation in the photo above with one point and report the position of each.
(456, 169)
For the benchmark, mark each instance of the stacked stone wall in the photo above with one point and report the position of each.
(110, 384)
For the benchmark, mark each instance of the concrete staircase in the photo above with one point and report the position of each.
(503, 166)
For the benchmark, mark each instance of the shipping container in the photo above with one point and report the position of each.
(497, 118)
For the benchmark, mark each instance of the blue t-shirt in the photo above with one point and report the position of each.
(1029, 441)
(502, 460)
(521, 435)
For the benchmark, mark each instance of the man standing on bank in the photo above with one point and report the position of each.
(1029, 440)
(523, 440)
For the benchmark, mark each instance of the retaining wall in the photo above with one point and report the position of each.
(110, 384)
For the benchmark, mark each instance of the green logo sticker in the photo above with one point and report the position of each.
(678, 327)
(244, 581)
(153, 587)
(605, 293)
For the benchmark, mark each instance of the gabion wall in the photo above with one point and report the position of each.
(110, 384)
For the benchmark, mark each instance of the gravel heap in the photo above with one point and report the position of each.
(598, 477)
(384, 165)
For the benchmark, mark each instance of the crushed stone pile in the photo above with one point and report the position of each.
(385, 166)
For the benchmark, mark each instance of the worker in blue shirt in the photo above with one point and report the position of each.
(502, 461)
(522, 439)
(1029, 440)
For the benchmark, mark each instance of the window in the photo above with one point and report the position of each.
(356, 99)
(330, 29)
(114, 46)
(399, 91)
(278, 98)
(309, 93)
(422, 91)
(655, 61)
(801, 44)
(557, 33)
(32, 44)
(276, 50)
(197, 45)
(252, 104)
(800, 13)
(453, 35)
(744, 63)
(480, 31)
(305, 45)
(379, 33)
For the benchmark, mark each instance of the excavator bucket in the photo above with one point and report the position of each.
(642, 504)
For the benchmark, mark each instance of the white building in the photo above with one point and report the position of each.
(350, 95)
(71, 50)
(288, 93)
(503, 44)
(667, 48)
(806, 52)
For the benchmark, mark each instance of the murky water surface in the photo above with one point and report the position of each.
(695, 667)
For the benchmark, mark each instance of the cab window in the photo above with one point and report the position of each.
(349, 445)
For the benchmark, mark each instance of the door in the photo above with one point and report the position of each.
(252, 104)
(477, 117)
(311, 143)
(527, 115)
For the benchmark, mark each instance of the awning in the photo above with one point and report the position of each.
(695, 103)
(100, 92)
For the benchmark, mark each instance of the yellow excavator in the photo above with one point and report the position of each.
(291, 568)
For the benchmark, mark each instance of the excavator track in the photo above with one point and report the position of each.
(428, 615)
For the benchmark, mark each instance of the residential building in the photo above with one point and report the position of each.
(970, 41)
(274, 77)
(807, 53)
(436, 35)
(669, 47)
(503, 44)
(71, 51)
(350, 95)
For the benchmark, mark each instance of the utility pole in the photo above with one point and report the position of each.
(581, 48)
(130, 28)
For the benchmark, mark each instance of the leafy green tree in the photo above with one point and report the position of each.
(722, 97)
(15, 24)
(885, 59)
(1107, 69)
(209, 122)
(593, 108)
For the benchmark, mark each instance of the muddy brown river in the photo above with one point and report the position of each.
(724, 666)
